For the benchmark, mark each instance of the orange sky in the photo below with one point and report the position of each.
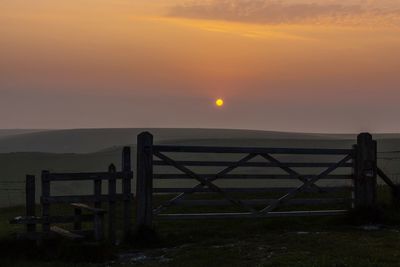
(295, 65)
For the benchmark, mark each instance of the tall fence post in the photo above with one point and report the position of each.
(45, 201)
(98, 219)
(112, 187)
(365, 172)
(144, 188)
(127, 190)
(30, 189)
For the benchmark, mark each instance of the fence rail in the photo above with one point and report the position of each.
(78, 203)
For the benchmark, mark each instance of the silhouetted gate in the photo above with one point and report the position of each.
(359, 163)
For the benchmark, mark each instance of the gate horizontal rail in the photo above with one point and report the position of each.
(247, 176)
(253, 164)
(257, 150)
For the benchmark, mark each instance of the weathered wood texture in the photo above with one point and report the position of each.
(246, 176)
(45, 204)
(89, 176)
(330, 189)
(112, 191)
(257, 150)
(127, 191)
(196, 216)
(365, 172)
(30, 191)
(144, 187)
(300, 202)
(251, 164)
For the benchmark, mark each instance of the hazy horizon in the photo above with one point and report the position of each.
(323, 66)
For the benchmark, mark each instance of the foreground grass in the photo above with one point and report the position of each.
(318, 241)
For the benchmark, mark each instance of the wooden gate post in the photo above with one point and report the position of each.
(365, 172)
(30, 201)
(126, 189)
(144, 188)
(45, 201)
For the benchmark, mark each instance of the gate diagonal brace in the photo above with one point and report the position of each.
(292, 193)
(290, 171)
(204, 182)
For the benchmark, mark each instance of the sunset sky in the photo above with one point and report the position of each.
(295, 65)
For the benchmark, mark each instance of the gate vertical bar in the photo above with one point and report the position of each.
(365, 172)
(30, 189)
(112, 187)
(126, 190)
(98, 220)
(144, 187)
(45, 201)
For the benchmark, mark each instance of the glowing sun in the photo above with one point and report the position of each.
(219, 102)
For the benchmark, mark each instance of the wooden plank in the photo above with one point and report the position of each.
(88, 208)
(45, 194)
(77, 219)
(50, 219)
(112, 190)
(144, 214)
(222, 202)
(80, 198)
(65, 233)
(126, 191)
(98, 218)
(82, 176)
(196, 216)
(30, 193)
(250, 189)
(365, 173)
(386, 179)
(288, 170)
(99, 226)
(246, 176)
(248, 150)
(253, 164)
(97, 193)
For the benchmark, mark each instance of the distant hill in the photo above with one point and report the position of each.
(92, 140)
(10, 132)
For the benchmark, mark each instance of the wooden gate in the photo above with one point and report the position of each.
(356, 165)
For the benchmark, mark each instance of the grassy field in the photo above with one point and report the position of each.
(323, 241)
(317, 241)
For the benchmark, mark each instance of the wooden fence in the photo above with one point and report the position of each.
(79, 203)
(359, 161)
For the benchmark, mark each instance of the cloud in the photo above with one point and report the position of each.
(278, 12)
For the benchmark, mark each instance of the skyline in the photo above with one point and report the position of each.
(298, 65)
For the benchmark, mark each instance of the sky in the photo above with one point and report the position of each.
(295, 65)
